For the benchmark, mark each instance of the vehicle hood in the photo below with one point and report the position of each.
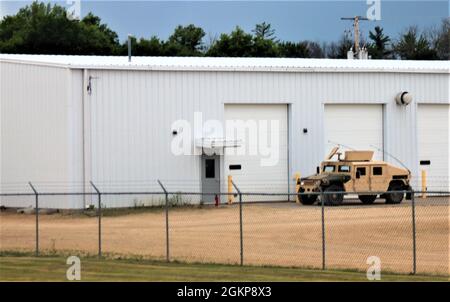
(316, 176)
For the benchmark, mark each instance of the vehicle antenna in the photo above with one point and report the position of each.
(396, 159)
(339, 145)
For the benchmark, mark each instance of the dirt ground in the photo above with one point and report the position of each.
(284, 234)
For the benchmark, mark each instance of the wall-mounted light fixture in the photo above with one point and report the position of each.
(89, 86)
(404, 98)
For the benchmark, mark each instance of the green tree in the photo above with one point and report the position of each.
(185, 41)
(440, 40)
(264, 44)
(150, 47)
(44, 29)
(294, 50)
(264, 31)
(338, 50)
(303, 49)
(315, 50)
(378, 48)
(412, 46)
(264, 48)
(236, 44)
(143, 47)
(107, 38)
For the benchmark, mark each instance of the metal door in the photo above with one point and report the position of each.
(210, 177)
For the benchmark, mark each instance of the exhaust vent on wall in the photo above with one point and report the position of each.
(403, 98)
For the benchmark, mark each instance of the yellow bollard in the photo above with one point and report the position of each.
(297, 185)
(230, 190)
(424, 184)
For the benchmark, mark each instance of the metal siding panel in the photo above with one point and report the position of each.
(75, 135)
(138, 129)
(35, 129)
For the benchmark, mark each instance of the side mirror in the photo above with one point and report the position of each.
(318, 170)
(358, 174)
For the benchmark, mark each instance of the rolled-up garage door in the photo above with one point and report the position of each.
(434, 143)
(358, 126)
(260, 164)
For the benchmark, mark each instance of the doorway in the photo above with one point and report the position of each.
(210, 177)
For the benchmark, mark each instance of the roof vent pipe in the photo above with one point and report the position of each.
(129, 47)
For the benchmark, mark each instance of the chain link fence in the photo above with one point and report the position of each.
(270, 229)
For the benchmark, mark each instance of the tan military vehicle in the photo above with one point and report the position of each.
(356, 173)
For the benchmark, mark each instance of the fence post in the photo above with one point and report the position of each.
(413, 207)
(167, 221)
(99, 214)
(323, 229)
(36, 194)
(241, 231)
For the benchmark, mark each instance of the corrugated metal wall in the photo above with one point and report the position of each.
(131, 113)
(38, 125)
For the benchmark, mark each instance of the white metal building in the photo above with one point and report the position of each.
(66, 120)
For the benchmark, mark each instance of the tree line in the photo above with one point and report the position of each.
(45, 29)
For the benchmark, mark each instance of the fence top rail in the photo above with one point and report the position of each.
(214, 193)
(81, 193)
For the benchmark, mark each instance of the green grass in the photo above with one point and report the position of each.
(23, 267)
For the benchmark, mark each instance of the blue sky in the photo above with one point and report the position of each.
(292, 20)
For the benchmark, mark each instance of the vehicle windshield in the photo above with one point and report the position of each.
(329, 168)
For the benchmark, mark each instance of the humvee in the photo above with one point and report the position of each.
(355, 173)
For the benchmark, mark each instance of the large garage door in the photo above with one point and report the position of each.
(260, 164)
(356, 126)
(434, 142)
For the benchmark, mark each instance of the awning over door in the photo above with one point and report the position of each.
(217, 143)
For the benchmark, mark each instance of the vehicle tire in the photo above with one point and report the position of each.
(307, 199)
(332, 196)
(395, 198)
(367, 199)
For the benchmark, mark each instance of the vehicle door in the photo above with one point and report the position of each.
(378, 180)
(361, 178)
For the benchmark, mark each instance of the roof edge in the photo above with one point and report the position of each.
(292, 69)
